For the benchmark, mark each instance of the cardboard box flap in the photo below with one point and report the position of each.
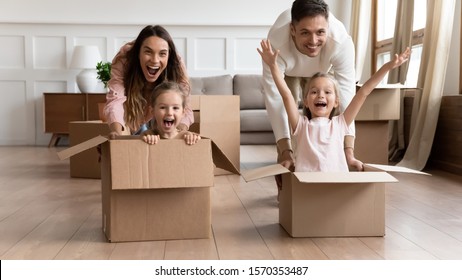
(95, 141)
(345, 177)
(167, 164)
(262, 172)
(318, 177)
(222, 161)
(132, 164)
(388, 86)
(391, 168)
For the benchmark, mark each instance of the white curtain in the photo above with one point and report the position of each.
(361, 12)
(435, 55)
(402, 38)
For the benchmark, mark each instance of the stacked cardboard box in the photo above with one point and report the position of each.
(381, 106)
(217, 117)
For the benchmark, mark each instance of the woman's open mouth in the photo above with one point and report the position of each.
(153, 70)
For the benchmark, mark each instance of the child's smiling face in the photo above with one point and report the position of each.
(321, 97)
(168, 112)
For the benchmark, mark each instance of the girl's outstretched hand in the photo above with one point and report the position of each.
(400, 59)
(267, 53)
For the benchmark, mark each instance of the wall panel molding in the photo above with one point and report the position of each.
(115, 12)
(39, 55)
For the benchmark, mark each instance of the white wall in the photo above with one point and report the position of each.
(38, 37)
(213, 36)
(142, 12)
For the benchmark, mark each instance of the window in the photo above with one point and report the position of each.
(385, 15)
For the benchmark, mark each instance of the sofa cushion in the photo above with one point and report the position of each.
(213, 85)
(258, 138)
(255, 120)
(250, 89)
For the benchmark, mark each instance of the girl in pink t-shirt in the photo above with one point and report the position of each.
(319, 135)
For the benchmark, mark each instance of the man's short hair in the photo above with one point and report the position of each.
(308, 8)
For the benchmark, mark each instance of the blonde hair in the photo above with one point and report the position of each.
(306, 111)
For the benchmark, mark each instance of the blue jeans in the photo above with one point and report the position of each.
(142, 129)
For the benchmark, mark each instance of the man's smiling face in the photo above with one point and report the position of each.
(310, 34)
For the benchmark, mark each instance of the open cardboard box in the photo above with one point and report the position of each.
(155, 192)
(332, 204)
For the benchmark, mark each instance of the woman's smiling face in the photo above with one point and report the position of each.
(154, 54)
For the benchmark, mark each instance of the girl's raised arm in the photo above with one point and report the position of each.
(270, 58)
(358, 100)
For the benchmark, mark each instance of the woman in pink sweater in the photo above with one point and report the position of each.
(136, 70)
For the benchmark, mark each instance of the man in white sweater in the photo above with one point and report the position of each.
(309, 40)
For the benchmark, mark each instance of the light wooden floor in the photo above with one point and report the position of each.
(45, 214)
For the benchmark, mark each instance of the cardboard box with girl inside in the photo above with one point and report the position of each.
(324, 199)
(332, 204)
(156, 185)
(155, 192)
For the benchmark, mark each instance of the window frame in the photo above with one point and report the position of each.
(384, 46)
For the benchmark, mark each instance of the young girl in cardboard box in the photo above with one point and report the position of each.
(168, 103)
(319, 134)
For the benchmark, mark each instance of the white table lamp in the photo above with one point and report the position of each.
(86, 58)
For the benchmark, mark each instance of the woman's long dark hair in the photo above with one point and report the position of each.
(135, 82)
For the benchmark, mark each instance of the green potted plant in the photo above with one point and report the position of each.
(103, 69)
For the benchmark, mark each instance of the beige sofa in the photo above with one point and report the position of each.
(255, 125)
